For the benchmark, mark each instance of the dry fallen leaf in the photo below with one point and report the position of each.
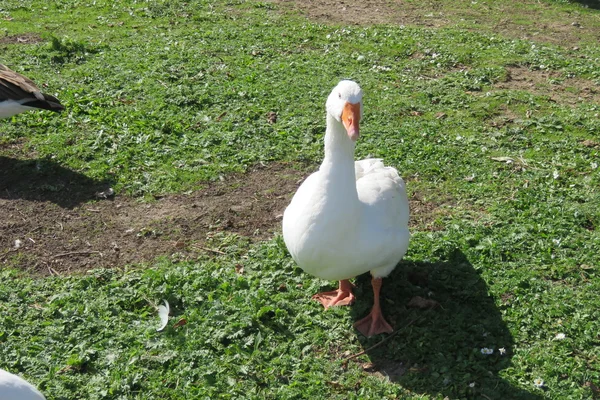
(272, 117)
(420, 302)
(65, 369)
(418, 369)
(369, 367)
(590, 143)
(179, 323)
(336, 384)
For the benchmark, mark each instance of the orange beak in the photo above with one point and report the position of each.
(350, 119)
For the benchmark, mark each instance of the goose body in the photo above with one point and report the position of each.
(349, 217)
(13, 387)
(335, 234)
(19, 94)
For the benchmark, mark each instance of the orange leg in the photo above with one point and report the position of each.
(340, 297)
(374, 323)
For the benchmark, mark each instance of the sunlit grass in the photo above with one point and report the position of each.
(161, 96)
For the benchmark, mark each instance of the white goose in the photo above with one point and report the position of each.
(13, 387)
(19, 94)
(348, 217)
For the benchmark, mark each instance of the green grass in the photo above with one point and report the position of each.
(163, 95)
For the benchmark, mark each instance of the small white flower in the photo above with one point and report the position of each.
(18, 243)
(487, 351)
(560, 336)
(502, 351)
(472, 384)
(538, 382)
(556, 241)
(360, 58)
(555, 174)
(328, 36)
(594, 165)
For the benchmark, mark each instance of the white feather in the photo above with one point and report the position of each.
(163, 313)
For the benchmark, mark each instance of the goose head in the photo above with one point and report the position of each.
(344, 104)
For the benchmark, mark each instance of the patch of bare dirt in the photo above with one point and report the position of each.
(23, 38)
(551, 26)
(112, 233)
(427, 208)
(561, 32)
(551, 83)
(365, 12)
(61, 230)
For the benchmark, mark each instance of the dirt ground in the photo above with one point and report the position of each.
(42, 233)
(496, 17)
(569, 91)
(26, 38)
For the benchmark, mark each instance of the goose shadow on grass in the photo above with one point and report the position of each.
(45, 180)
(594, 4)
(439, 352)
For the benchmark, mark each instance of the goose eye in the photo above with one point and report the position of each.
(339, 95)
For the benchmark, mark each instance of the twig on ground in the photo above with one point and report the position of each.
(213, 250)
(73, 253)
(52, 270)
(22, 215)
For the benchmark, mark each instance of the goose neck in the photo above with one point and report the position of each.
(339, 149)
